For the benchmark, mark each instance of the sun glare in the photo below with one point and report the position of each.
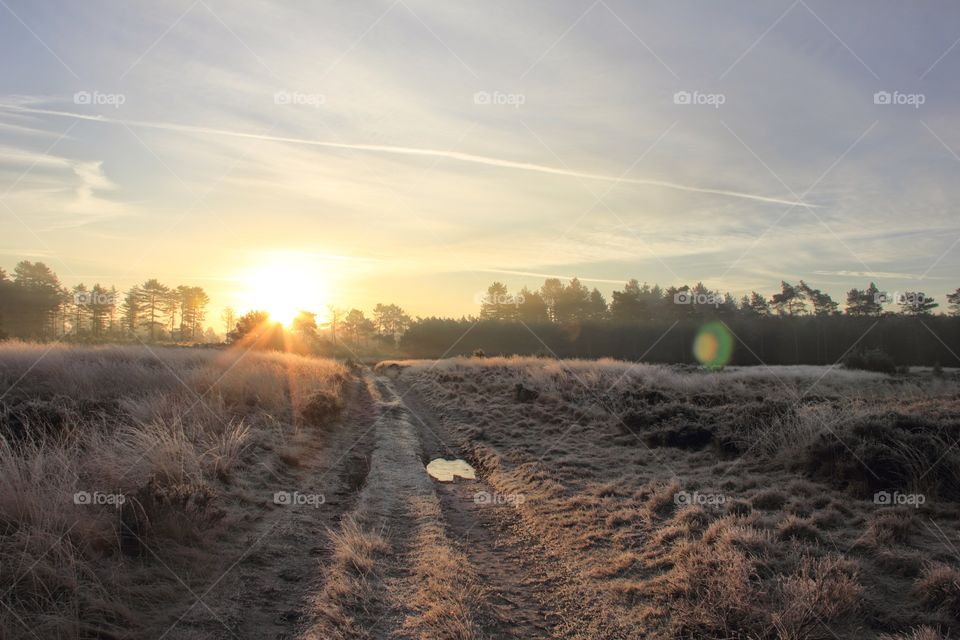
(286, 284)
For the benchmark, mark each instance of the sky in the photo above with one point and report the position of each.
(413, 151)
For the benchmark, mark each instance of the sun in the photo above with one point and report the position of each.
(286, 284)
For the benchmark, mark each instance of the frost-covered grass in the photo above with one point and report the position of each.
(786, 539)
(170, 430)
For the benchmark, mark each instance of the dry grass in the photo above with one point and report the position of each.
(797, 548)
(446, 596)
(939, 587)
(352, 581)
(170, 430)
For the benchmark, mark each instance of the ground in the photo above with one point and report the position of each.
(612, 500)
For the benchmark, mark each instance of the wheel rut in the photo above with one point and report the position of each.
(445, 559)
(516, 593)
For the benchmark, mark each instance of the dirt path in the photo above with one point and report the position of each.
(530, 583)
(391, 553)
(276, 566)
(516, 591)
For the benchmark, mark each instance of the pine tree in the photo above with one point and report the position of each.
(153, 307)
(953, 299)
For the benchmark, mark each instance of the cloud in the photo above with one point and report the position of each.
(416, 151)
(47, 191)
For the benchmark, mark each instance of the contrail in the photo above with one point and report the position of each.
(412, 151)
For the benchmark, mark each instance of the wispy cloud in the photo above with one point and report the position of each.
(57, 192)
(415, 151)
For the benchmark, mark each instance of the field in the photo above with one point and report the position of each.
(129, 475)
(207, 493)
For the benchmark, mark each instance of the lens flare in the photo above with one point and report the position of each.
(713, 345)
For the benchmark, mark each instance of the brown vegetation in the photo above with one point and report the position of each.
(735, 504)
(119, 466)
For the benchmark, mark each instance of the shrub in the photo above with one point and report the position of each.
(794, 528)
(888, 528)
(739, 508)
(709, 590)
(157, 510)
(885, 453)
(871, 360)
(939, 587)
(823, 591)
(321, 409)
(769, 500)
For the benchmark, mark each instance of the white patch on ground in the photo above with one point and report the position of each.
(445, 470)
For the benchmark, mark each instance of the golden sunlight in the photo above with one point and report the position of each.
(285, 284)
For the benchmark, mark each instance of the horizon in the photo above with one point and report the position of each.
(279, 302)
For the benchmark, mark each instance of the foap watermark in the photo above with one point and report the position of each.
(914, 100)
(912, 298)
(714, 100)
(98, 498)
(96, 98)
(297, 499)
(298, 99)
(499, 99)
(485, 297)
(487, 497)
(693, 298)
(93, 298)
(897, 499)
(695, 498)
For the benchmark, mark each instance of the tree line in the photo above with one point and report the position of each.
(35, 305)
(573, 302)
(798, 324)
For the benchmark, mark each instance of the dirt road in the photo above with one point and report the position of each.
(453, 568)
(390, 552)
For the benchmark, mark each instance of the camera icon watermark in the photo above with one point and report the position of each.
(895, 498)
(715, 100)
(910, 298)
(914, 100)
(691, 298)
(96, 98)
(488, 498)
(98, 498)
(695, 498)
(499, 99)
(297, 499)
(93, 298)
(298, 99)
(500, 299)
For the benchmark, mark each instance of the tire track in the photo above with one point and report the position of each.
(517, 595)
